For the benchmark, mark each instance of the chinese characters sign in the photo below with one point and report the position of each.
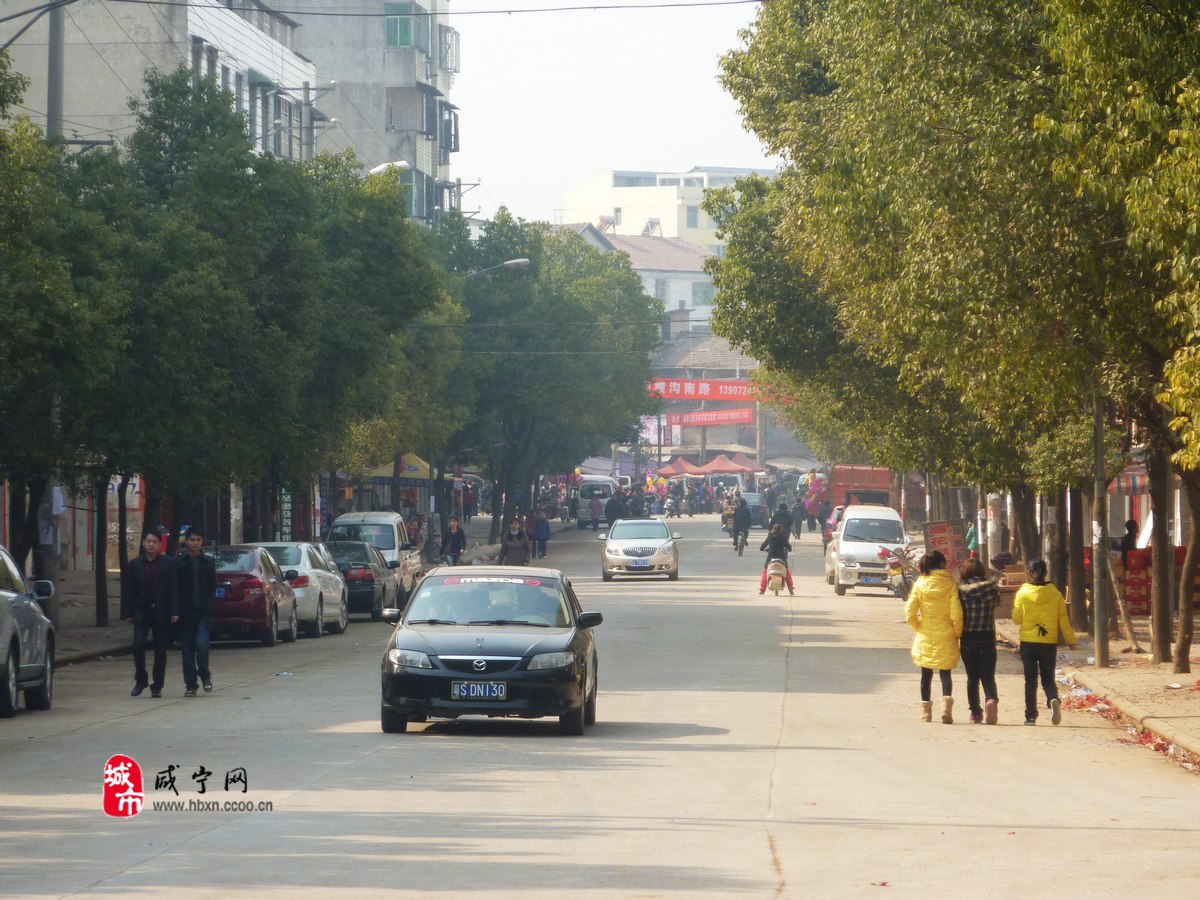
(700, 389)
(713, 417)
(951, 538)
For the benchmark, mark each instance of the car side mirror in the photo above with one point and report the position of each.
(406, 546)
(907, 540)
(602, 536)
(43, 590)
(391, 616)
(393, 563)
(676, 535)
(590, 619)
(291, 575)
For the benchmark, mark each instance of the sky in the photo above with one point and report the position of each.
(549, 99)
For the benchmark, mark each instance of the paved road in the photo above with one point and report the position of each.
(746, 745)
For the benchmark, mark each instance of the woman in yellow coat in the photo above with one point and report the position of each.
(1041, 612)
(935, 613)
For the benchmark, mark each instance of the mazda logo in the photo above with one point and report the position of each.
(479, 665)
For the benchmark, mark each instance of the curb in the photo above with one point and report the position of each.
(67, 659)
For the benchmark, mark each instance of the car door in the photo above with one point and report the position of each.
(334, 570)
(383, 574)
(25, 612)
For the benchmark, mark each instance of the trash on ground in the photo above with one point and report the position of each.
(283, 673)
(1174, 686)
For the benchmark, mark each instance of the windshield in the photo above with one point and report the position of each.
(588, 491)
(234, 560)
(492, 599)
(382, 536)
(873, 531)
(348, 553)
(753, 499)
(633, 530)
(285, 556)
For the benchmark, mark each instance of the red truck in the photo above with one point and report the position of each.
(863, 484)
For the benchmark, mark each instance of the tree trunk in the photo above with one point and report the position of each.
(100, 548)
(1187, 585)
(123, 526)
(1056, 524)
(24, 497)
(1025, 514)
(1126, 622)
(1161, 476)
(1076, 588)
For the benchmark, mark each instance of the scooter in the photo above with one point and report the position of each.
(902, 569)
(669, 508)
(776, 575)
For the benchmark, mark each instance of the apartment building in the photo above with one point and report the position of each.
(387, 76)
(249, 48)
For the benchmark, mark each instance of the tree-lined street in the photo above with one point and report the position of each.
(745, 745)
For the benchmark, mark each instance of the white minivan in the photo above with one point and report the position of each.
(852, 556)
(590, 486)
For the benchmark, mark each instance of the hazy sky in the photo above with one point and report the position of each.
(548, 99)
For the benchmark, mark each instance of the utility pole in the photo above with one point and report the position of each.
(54, 76)
(1099, 537)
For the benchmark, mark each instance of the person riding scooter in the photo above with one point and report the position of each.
(777, 548)
(741, 521)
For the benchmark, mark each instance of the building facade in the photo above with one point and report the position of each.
(244, 45)
(662, 204)
(387, 80)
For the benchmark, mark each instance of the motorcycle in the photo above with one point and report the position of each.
(903, 570)
(776, 575)
(670, 508)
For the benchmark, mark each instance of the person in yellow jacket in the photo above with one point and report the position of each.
(1041, 611)
(935, 613)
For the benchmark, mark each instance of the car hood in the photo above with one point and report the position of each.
(622, 543)
(498, 640)
(866, 550)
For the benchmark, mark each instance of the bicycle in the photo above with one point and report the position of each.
(741, 542)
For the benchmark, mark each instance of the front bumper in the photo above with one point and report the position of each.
(625, 565)
(866, 576)
(530, 695)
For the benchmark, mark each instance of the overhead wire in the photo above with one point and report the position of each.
(377, 14)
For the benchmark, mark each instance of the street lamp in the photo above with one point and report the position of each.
(519, 263)
(397, 165)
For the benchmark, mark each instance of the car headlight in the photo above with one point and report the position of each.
(849, 559)
(613, 551)
(552, 660)
(408, 659)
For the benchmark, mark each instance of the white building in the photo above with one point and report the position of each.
(663, 204)
(108, 46)
(387, 79)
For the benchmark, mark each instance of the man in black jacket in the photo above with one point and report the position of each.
(741, 521)
(197, 577)
(782, 517)
(150, 602)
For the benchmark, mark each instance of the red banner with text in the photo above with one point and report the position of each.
(700, 389)
(713, 417)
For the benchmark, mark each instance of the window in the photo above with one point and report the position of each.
(406, 25)
(693, 217)
(197, 55)
(616, 215)
(224, 78)
(703, 293)
(662, 288)
(448, 38)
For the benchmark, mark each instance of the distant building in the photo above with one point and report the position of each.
(244, 45)
(660, 204)
(387, 79)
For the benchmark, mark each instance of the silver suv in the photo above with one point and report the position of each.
(26, 641)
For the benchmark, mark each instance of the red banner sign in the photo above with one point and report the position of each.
(713, 417)
(700, 389)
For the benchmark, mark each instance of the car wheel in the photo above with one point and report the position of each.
(604, 576)
(343, 619)
(829, 578)
(40, 697)
(839, 589)
(8, 678)
(293, 628)
(572, 723)
(673, 576)
(377, 610)
(317, 628)
(589, 708)
(272, 634)
(391, 721)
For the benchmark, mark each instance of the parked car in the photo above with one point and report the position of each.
(26, 640)
(372, 581)
(639, 547)
(852, 557)
(322, 598)
(760, 513)
(828, 526)
(388, 532)
(491, 641)
(252, 596)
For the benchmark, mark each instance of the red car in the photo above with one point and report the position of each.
(252, 596)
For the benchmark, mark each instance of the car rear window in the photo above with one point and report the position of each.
(626, 530)
(234, 560)
(872, 530)
(382, 536)
(285, 556)
(588, 491)
(349, 553)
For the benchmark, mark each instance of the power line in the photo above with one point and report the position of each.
(99, 54)
(478, 325)
(681, 4)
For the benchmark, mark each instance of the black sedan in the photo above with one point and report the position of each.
(492, 641)
(371, 581)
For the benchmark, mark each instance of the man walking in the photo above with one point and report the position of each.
(150, 602)
(197, 577)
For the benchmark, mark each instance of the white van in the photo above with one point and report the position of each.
(590, 486)
(852, 556)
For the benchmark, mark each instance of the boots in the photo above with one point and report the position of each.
(926, 710)
(947, 710)
(989, 712)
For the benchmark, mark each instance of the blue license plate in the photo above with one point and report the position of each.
(478, 690)
(639, 564)
(220, 592)
(872, 579)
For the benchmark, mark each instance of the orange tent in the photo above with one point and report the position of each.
(723, 465)
(743, 460)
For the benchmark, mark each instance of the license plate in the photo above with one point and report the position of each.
(220, 592)
(478, 690)
(872, 579)
(639, 564)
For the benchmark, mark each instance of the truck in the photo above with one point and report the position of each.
(872, 485)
